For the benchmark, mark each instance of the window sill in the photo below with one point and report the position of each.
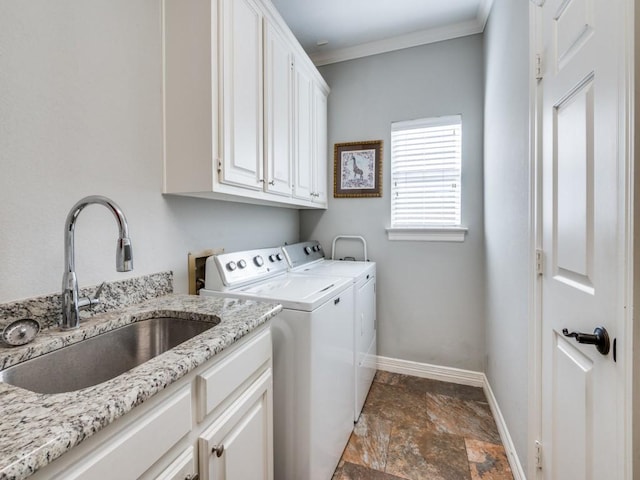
(428, 234)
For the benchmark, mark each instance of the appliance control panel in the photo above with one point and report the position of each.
(304, 252)
(238, 268)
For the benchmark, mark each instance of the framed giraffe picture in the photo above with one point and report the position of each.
(357, 169)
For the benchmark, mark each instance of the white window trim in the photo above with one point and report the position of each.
(427, 234)
(433, 233)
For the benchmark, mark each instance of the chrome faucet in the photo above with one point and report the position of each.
(71, 301)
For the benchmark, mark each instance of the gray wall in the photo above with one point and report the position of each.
(506, 201)
(80, 114)
(430, 294)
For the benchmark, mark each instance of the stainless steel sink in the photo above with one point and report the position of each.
(102, 357)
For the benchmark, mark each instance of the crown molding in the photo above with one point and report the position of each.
(424, 37)
(484, 9)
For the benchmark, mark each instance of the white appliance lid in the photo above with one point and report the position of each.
(338, 268)
(302, 292)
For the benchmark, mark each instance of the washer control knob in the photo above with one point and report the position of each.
(272, 258)
(316, 248)
(242, 263)
(307, 250)
(231, 266)
(279, 257)
(258, 260)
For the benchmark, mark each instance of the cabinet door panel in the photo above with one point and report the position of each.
(184, 467)
(320, 143)
(278, 112)
(238, 445)
(242, 94)
(303, 186)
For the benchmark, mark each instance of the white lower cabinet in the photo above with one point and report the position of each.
(234, 447)
(225, 403)
(185, 467)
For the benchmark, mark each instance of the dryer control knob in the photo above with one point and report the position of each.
(242, 263)
(258, 260)
(316, 248)
(307, 250)
(231, 266)
(272, 258)
(279, 257)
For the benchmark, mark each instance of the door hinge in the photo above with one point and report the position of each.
(538, 66)
(538, 446)
(539, 262)
(219, 166)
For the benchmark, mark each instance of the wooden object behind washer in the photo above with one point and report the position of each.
(196, 267)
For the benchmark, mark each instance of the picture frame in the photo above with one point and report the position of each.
(357, 169)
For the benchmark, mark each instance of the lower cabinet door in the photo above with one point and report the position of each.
(182, 468)
(239, 443)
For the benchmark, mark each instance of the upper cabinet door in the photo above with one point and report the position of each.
(278, 112)
(320, 161)
(241, 98)
(303, 164)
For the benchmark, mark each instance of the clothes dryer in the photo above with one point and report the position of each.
(307, 258)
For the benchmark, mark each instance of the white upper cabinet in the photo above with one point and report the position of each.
(310, 160)
(303, 165)
(320, 159)
(241, 106)
(278, 111)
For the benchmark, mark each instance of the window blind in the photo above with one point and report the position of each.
(426, 172)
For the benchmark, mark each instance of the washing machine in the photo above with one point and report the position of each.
(307, 258)
(312, 356)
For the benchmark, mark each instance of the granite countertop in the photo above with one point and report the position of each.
(37, 428)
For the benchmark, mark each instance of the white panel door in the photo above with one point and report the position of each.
(278, 112)
(303, 161)
(582, 233)
(241, 102)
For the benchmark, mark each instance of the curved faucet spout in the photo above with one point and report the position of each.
(71, 302)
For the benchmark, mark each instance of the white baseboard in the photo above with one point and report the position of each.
(434, 372)
(463, 377)
(505, 436)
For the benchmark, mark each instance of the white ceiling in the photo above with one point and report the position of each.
(357, 28)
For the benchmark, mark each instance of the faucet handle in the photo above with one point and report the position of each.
(88, 302)
(94, 300)
(98, 291)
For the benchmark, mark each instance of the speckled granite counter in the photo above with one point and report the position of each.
(35, 428)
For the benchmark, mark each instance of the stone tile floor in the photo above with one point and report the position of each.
(419, 429)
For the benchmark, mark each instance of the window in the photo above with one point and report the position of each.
(425, 179)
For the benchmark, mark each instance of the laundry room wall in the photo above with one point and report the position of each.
(507, 212)
(430, 294)
(80, 114)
